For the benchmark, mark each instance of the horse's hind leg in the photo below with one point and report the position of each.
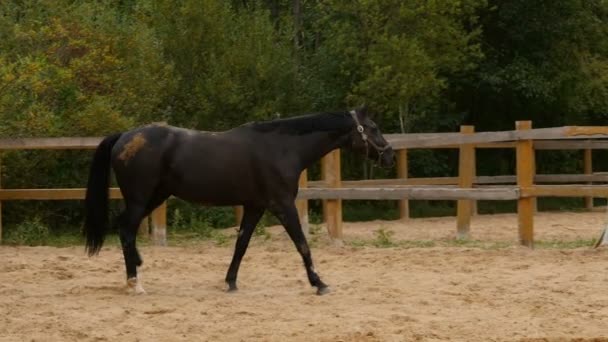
(288, 215)
(251, 217)
(128, 222)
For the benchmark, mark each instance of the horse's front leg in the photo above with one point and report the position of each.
(288, 215)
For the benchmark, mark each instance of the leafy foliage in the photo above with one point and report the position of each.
(89, 68)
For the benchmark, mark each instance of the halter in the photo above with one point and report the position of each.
(379, 149)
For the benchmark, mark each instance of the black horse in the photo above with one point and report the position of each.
(256, 165)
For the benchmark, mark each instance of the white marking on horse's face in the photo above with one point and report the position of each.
(135, 285)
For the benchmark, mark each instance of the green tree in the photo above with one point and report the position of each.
(396, 56)
(232, 66)
(545, 60)
(71, 68)
(76, 70)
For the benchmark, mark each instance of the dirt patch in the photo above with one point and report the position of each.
(378, 294)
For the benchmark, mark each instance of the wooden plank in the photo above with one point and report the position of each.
(391, 181)
(534, 199)
(474, 203)
(76, 143)
(466, 173)
(588, 170)
(332, 206)
(415, 192)
(442, 140)
(431, 181)
(525, 179)
(487, 145)
(565, 191)
(302, 204)
(410, 140)
(561, 178)
(571, 144)
(50, 194)
(402, 171)
(504, 144)
(572, 131)
(402, 181)
(79, 193)
(446, 139)
(159, 225)
(480, 180)
(566, 178)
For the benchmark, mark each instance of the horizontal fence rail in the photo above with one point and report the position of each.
(435, 140)
(414, 193)
(467, 188)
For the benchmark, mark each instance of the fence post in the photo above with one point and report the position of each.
(588, 170)
(0, 201)
(144, 228)
(159, 225)
(525, 179)
(402, 169)
(332, 209)
(238, 214)
(474, 207)
(302, 204)
(466, 173)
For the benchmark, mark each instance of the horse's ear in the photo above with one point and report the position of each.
(363, 110)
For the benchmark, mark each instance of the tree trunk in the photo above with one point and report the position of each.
(297, 24)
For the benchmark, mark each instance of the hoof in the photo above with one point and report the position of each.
(134, 285)
(323, 290)
(232, 288)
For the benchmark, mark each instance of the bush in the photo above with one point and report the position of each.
(30, 232)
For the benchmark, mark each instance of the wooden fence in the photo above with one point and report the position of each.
(525, 186)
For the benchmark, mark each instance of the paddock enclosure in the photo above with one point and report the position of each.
(406, 293)
(402, 280)
(525, 186)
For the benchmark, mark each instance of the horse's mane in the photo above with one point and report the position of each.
(304, 124)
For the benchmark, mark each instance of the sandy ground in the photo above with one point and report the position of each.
(378, 294)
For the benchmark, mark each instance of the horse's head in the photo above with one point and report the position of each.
(366, 137)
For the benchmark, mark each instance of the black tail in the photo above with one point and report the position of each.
(96, 200)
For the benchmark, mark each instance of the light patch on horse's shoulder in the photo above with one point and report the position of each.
(132, 147)
(160, 124)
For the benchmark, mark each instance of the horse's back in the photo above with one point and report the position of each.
(216, 168)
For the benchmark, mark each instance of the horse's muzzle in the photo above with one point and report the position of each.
(387, 160)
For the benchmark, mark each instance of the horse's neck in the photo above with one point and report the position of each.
(312, 147)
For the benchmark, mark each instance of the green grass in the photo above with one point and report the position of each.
(261, 231)
(58, 240)
(469, 243)
(384, 239)
(556, 244)
(33, 232)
